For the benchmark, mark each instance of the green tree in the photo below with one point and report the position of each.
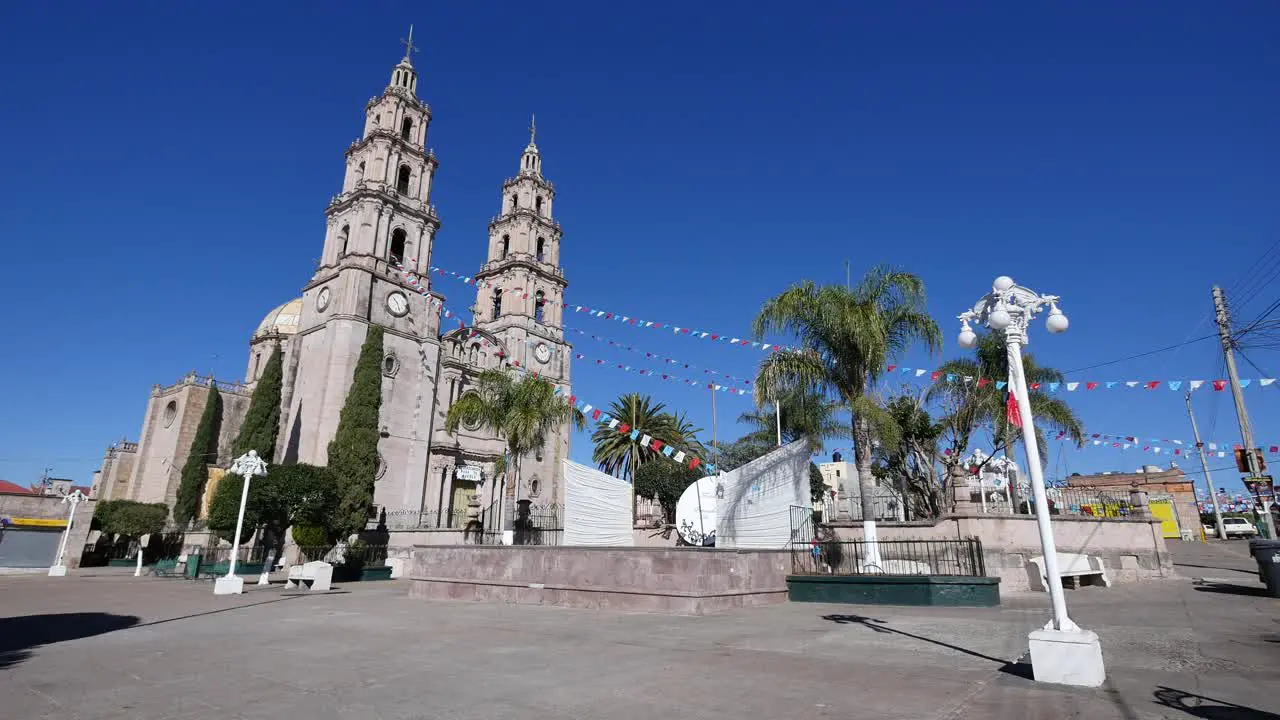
(805, 414)
(617, 453)
(665, 482)
(817, 486)
(970, 406)
(288, 495)
(262, 420)
(846, 337)
(353, 453)
(910, 462)
(203, 451)
(129, 518)
(523, 409)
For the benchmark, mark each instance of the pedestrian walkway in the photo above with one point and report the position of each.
(111, 646)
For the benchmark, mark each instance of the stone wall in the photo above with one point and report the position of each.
(686, 581)
(1132, 550)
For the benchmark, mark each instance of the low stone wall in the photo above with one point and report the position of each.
(50, 507)
(686, 581)
(1132, 550)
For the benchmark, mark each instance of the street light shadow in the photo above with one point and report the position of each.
(1202, 706)
(1234, 590)
(880, 626)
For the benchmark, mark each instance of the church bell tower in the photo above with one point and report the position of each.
(378, 228)
(520, 293)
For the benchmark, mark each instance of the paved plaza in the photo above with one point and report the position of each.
(102, 644)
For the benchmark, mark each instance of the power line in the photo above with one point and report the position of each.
(1140, 355)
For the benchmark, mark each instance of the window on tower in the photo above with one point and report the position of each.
(346, 237)
(397, 246)
(515, 201)
(506, 246)
(537, 204)
(539, 305)
(541, 247)
(402, 180)
(406, 129)
(497, 303)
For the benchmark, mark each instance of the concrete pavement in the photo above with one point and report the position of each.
(112, 646)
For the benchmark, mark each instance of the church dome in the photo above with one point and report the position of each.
(281, 321)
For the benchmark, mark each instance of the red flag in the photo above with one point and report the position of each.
(657, 444)
(1153, 384)
(1012, 412)
(889, 368)
(1274, 448)
(983, 382)
(624, 428)
(1219, 385)
(595, 414)
(694, 463)
(1035, 386)
(934, 375)
(1090, 385)
(573, 399)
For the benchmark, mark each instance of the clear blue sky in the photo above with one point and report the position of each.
(166, 171)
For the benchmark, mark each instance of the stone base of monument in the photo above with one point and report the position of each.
(228, 585)
(1067, 657)
(679, 581)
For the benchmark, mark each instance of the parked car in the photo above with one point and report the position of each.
(1238, 527)
(1210, 531)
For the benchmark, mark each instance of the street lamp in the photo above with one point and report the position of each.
(248, 466)
(73, 498)
(1062, 652)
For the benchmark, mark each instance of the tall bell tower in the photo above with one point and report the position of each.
(520, 293)
(380, 226)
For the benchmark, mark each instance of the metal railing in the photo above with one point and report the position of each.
(1077, 502)
(897, 557)
(358, 555)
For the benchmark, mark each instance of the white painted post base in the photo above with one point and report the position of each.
(58, 571)
(508, 537)
(137, 572)
(1067, 657)
(263, 579)
(228, 585)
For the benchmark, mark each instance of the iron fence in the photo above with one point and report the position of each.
(888, 504)
(247, 555)
(896, 557)
(1079, 502)
(537, 524)
(357, 555)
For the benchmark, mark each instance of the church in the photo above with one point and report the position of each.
(380, 231)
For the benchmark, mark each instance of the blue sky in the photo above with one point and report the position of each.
(167, 169)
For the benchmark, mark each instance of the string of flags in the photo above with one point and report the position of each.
(646, 440)
(1132, 442)
(1074, 386)
(627, 319)
(656, 356)
(1226, 502)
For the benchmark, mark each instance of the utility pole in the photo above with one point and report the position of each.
(1242, 415)
(1204, 465)
(715, 437)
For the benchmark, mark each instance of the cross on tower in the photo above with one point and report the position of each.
(409, 48)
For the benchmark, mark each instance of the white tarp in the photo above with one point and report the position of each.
(597, 508)
(755, 501)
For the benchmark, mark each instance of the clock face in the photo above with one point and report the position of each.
(322, 301)
(398, 304)
(542, 353)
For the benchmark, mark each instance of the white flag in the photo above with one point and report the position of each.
(1071, 387)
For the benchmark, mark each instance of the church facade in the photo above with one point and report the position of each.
(374, 271)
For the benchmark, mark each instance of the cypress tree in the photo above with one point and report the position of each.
(262, 420)
(353, 453)
(203, 450)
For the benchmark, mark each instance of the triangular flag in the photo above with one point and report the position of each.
(1111, 383)
(1219, 385)
(1053, 387)
(1245, 383)
(1174, 384)
(1195, 384)
(1071, 386)
(1000, 384)
(1090, 385)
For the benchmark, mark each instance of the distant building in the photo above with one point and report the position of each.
(1171, 494)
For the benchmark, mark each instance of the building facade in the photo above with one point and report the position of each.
(374, 271)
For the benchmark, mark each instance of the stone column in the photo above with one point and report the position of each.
(1141, 507)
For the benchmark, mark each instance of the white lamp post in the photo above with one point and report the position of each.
(248, 466)
(1062, 652)
(73, 499)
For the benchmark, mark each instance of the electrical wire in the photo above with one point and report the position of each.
(1140, 355)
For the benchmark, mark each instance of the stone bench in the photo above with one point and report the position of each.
(1076, 566)
(315, 575)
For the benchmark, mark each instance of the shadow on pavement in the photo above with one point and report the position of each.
(880, 627)
(21, 633)
(1234, 590)
(1216, 567)
(1208, 708)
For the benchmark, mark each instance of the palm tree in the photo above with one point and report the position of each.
(522, 409)
(805, 414)
(846, 338)
(616, 453)
(972, 407)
